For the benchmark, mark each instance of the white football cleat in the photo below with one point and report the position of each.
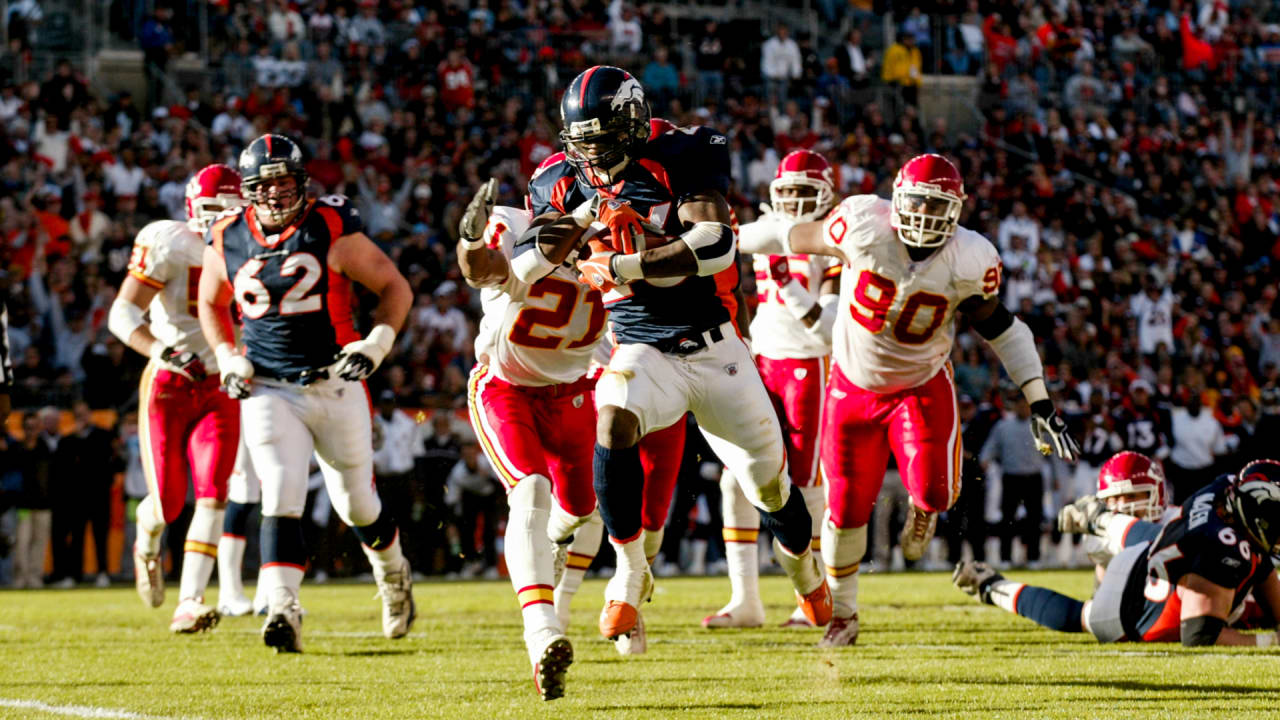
(974, 578)
(234, 606)
(797, 620)
(560, 562)
(916, 533)
(551, 666)
(193, 616)
(283, 629)
(398, 608)
(743, 615)
(842, 632)
(635, 642)
(148, 577)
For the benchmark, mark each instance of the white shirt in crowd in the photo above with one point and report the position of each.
(401, 444)
(124, 180)
(480, 481)
(780, 59)
(429, 318)
(1026, 226)
(1155, 320)
(1196, 440)
(626, 35)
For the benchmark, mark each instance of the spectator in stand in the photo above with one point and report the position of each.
(1153, 307)
(35, 501)
(854, 64)
(440, 452)
(457, 82)
(397, 447)
(710, 61)
(1010, 447)
(779, 64)
(626, 35)
(87, 455)
(1198, 440)
(1142, 426)
(365, 28)
(157, 43)
(472, 493)
(904, 67)
(661, 82)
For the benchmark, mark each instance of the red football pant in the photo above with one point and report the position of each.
(798, 390)
(548, 431)
(920, 425)
(660, 454)
(185, 429)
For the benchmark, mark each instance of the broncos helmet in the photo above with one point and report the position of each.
(264, 160)
(1255, 501)
(606, 119)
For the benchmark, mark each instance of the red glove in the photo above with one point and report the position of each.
(779, 269)
(596, 270)
(624, 223)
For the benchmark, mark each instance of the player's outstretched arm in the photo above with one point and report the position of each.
(481, 265)
(1014, 344)
(356, 257)
(1205, 607)
(772, 235)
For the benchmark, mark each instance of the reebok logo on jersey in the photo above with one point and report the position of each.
(731, 368)
(577, 401)
(801, 373)
(718, 140)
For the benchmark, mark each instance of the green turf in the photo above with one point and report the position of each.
(925, 650)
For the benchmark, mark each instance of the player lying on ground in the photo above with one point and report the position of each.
(908, 268)
(1185, 579)
(186, 428)
(288, 261)
(671, 294)
(791, 339)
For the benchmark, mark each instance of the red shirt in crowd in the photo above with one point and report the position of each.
(457, 85)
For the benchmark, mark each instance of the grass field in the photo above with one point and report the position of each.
(925, 650)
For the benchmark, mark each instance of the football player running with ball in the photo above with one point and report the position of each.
(791, 337)
(1184, 580)
(187, 428)
(908, 268)
(288, 261)
(668, 274)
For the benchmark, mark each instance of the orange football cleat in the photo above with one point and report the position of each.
(619, 618)
(816, 605)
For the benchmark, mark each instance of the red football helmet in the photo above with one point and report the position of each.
(1131, 473)
(928, 195)
(803, 168)
(660, 126)
(214, 189)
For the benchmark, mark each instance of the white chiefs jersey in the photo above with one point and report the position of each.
(168, 255)
(897, 320)
(539, 334)
(775, 332)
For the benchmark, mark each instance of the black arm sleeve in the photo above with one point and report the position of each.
(995, 323)
(1200, 631)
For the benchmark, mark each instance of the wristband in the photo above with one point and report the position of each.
(468, 244)
(224, 353)
(157, 347)
(585, 214)
(626, 267)
(383, 336)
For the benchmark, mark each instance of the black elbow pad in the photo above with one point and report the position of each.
(997, 322)
(1200, 631)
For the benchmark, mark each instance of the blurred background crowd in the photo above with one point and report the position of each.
(1122, 156)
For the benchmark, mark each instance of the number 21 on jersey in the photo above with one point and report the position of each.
(548, 328)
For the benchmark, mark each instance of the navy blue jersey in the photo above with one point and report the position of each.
(1197, 540)
(669, 169)
(297, 312)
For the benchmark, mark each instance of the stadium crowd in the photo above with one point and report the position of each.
(1125, 165)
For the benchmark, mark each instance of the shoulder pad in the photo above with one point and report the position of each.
(975, 263)
(161, 233)
(551, 161)
(856, 221)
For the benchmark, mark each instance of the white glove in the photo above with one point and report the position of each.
(476, 216)
(359, 359)
(236, 371)
(1081, 516)
(1050, 432)
(184, 362)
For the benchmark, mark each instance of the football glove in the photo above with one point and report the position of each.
(1081, 516)
(236, 372)
(597, 269)
(476, 216)
(184, 362)
(1050, 432)
(626, 227)
(359, 359)
(779, 269)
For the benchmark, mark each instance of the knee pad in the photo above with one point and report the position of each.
(772, 495)
(533, 492)
(736, 508)
(358, 506)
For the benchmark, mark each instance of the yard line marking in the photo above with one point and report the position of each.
(82, 711)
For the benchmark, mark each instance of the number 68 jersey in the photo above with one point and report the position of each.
(897, 317)
(297, 312)
(539, 334)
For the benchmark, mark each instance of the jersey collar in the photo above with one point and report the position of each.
(269, 242)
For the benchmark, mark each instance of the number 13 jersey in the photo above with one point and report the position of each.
(539, 334)
(896, 322)
(297, 312)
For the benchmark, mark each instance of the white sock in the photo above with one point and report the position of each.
(279, 583)
(150, 526)
(842, 552)
(653, 543)
(387, 560)
(1004, 594)
(530, 562)
(230, 567)
(200, 552)
(562, 524)
(802, 569)
(582, 551)
(741, 531)
(631, 566)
